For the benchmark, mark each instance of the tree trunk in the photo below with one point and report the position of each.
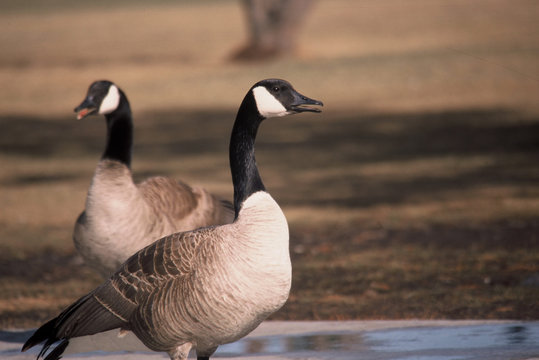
(273, 27)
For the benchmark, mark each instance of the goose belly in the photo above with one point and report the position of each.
(236, 307)
(243, 293)
(211, 313)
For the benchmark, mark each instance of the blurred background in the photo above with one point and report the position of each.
(415, 194)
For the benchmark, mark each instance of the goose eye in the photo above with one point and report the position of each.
(276, 89)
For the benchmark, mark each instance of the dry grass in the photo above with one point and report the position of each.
(414, 194)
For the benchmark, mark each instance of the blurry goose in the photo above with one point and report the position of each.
(122, 217)
(205, 287)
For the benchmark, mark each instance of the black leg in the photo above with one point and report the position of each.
(207, 353)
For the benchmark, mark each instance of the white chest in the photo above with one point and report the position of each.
(254, 279)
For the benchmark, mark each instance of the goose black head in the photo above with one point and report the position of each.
(103, 97)
(276, 97)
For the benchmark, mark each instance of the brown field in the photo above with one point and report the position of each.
(415, 194)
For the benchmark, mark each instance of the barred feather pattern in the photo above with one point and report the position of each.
(201, 288)
(121, 217)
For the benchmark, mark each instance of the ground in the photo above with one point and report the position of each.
(415, 193)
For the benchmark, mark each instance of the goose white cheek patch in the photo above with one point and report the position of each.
(111, 101)
(267, 104)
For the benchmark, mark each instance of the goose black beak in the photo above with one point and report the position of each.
(304, 104)
(86, 108)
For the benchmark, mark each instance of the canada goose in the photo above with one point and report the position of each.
(205, 287)
(122, 217)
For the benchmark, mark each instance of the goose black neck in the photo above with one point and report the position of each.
(245, 176)
(119, 133)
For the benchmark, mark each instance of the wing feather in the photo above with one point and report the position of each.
(113, 304)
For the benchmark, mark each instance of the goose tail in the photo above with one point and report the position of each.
(87, 316)
(45, 332)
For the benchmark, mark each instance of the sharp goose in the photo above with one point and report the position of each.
(205, 287)
(121, 217)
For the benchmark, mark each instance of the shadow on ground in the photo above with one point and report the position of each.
(327, 152)
(352, 162)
